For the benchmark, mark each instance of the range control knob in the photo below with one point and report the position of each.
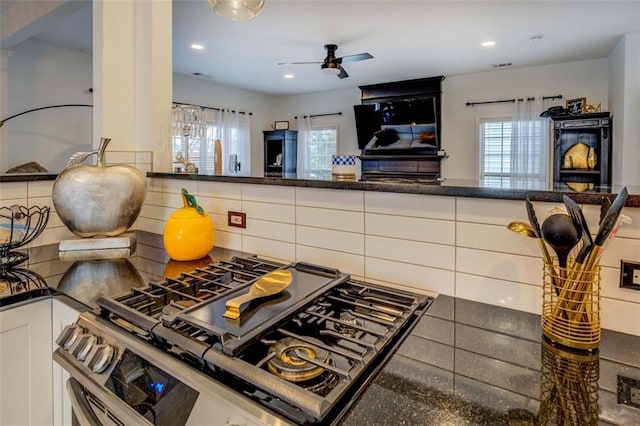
(69, 336)
(82, 347)
(100, 358)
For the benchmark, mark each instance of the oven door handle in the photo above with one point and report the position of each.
(81, 408)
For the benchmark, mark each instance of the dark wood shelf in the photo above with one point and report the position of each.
(579, 172)
(593, 130)
(280, 146)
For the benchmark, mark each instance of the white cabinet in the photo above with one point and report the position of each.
(62, 315)
(26, 386)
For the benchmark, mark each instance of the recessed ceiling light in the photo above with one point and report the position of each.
(197, 46)
(489, 43)
(536, 37)
(288, 76)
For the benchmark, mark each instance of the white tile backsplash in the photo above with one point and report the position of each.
(330, 198)
(270, 249)
(225, 190)
(329, 239)
(415, 252)
(339, 220)
(228, 240)
(620, 316)
(174, 186)
(421, 277)
(494, 238)
(42, 188)
(411, 228)
(345, 262)
(510, 267)
(271, 230)
(388, 203)
(12, 191)
(495, 212)
(285, 213)
(268, 194)
(219, 206)
(523, 297)
(447, 245)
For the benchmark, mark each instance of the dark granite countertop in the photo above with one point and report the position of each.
(504, 189)
(464, 363)
(27, 177)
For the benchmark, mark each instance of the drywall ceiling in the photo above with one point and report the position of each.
(408, 39)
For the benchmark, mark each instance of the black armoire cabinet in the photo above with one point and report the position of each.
(582, 149)
(280, 153)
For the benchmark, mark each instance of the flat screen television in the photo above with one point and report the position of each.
(404, 124)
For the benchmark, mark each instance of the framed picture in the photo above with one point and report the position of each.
(281, 125)
(576, 106)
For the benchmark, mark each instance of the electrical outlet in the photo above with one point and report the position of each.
(237, 219)
(630, 274)
(629, 391)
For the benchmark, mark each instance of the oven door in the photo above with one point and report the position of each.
(92, 406)
(89, 409)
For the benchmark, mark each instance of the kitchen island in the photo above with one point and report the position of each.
(464, 362)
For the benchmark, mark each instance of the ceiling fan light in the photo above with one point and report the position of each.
(330, 68)
(237, 10)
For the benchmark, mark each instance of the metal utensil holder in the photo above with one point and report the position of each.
(568, 386)
(571, 305)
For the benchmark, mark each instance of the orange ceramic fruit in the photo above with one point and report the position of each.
(189, 233)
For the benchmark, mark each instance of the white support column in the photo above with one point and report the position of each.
(132, 76)
(4, 108)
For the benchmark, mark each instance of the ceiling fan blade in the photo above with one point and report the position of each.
(343, 73)
(357, 57)
(298, 63)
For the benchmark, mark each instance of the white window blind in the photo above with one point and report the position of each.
(495, 148)
(498, 139)
(322, 145)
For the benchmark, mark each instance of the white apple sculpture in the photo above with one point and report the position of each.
(98, 200)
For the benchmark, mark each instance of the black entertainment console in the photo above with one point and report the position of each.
(398, 126)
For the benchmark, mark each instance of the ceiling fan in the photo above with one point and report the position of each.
(331, 64)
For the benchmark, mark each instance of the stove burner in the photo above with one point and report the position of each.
(347, 319)
(296, 361)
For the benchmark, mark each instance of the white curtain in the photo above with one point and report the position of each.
(234, 131)
(529, 140)
(304, 129)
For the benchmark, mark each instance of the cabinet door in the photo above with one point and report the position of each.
(25, 365)
(62, 315)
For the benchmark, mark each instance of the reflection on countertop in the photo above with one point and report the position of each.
(88, 280)
(471, 363)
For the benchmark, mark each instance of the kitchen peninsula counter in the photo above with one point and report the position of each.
(506, 190)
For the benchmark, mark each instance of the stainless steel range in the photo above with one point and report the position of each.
(165, 354)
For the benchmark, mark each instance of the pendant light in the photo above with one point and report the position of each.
(237, 10)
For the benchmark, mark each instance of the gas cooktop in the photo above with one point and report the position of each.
(304, 353)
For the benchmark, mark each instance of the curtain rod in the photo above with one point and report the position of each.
(207, 107)
(512, 100)
(319, 115)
